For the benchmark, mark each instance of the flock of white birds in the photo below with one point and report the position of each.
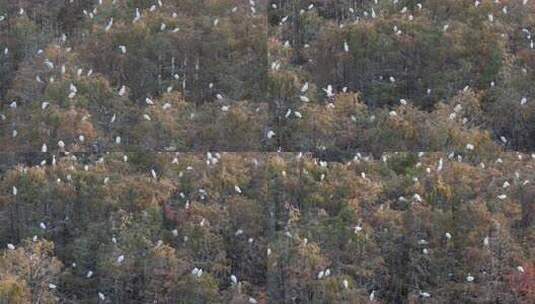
(214, 158)
(290, 113)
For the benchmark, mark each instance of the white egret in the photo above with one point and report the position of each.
(304, 88)
(109, 25)
(425, 294)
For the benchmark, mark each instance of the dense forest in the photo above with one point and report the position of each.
(268, 228)
(328, 77)
(267, 151)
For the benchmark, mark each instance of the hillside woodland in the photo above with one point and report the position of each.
(267, 151)
(268, 228)
(327, 77)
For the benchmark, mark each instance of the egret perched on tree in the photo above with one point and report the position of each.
(486, 241)
(49, 64)
(137, 15)
(304, 88)
(424, 294)
(237, 189)
(234, 279)
(329, 91)
(109, 25)
(10, 246)
(197, 272)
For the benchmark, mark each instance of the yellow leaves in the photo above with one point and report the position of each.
(276, 164)
(310, 258)
(13, 290)
(147, 193)
(283, 83)
(34, 264)
(349, 103)
(443, 189)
